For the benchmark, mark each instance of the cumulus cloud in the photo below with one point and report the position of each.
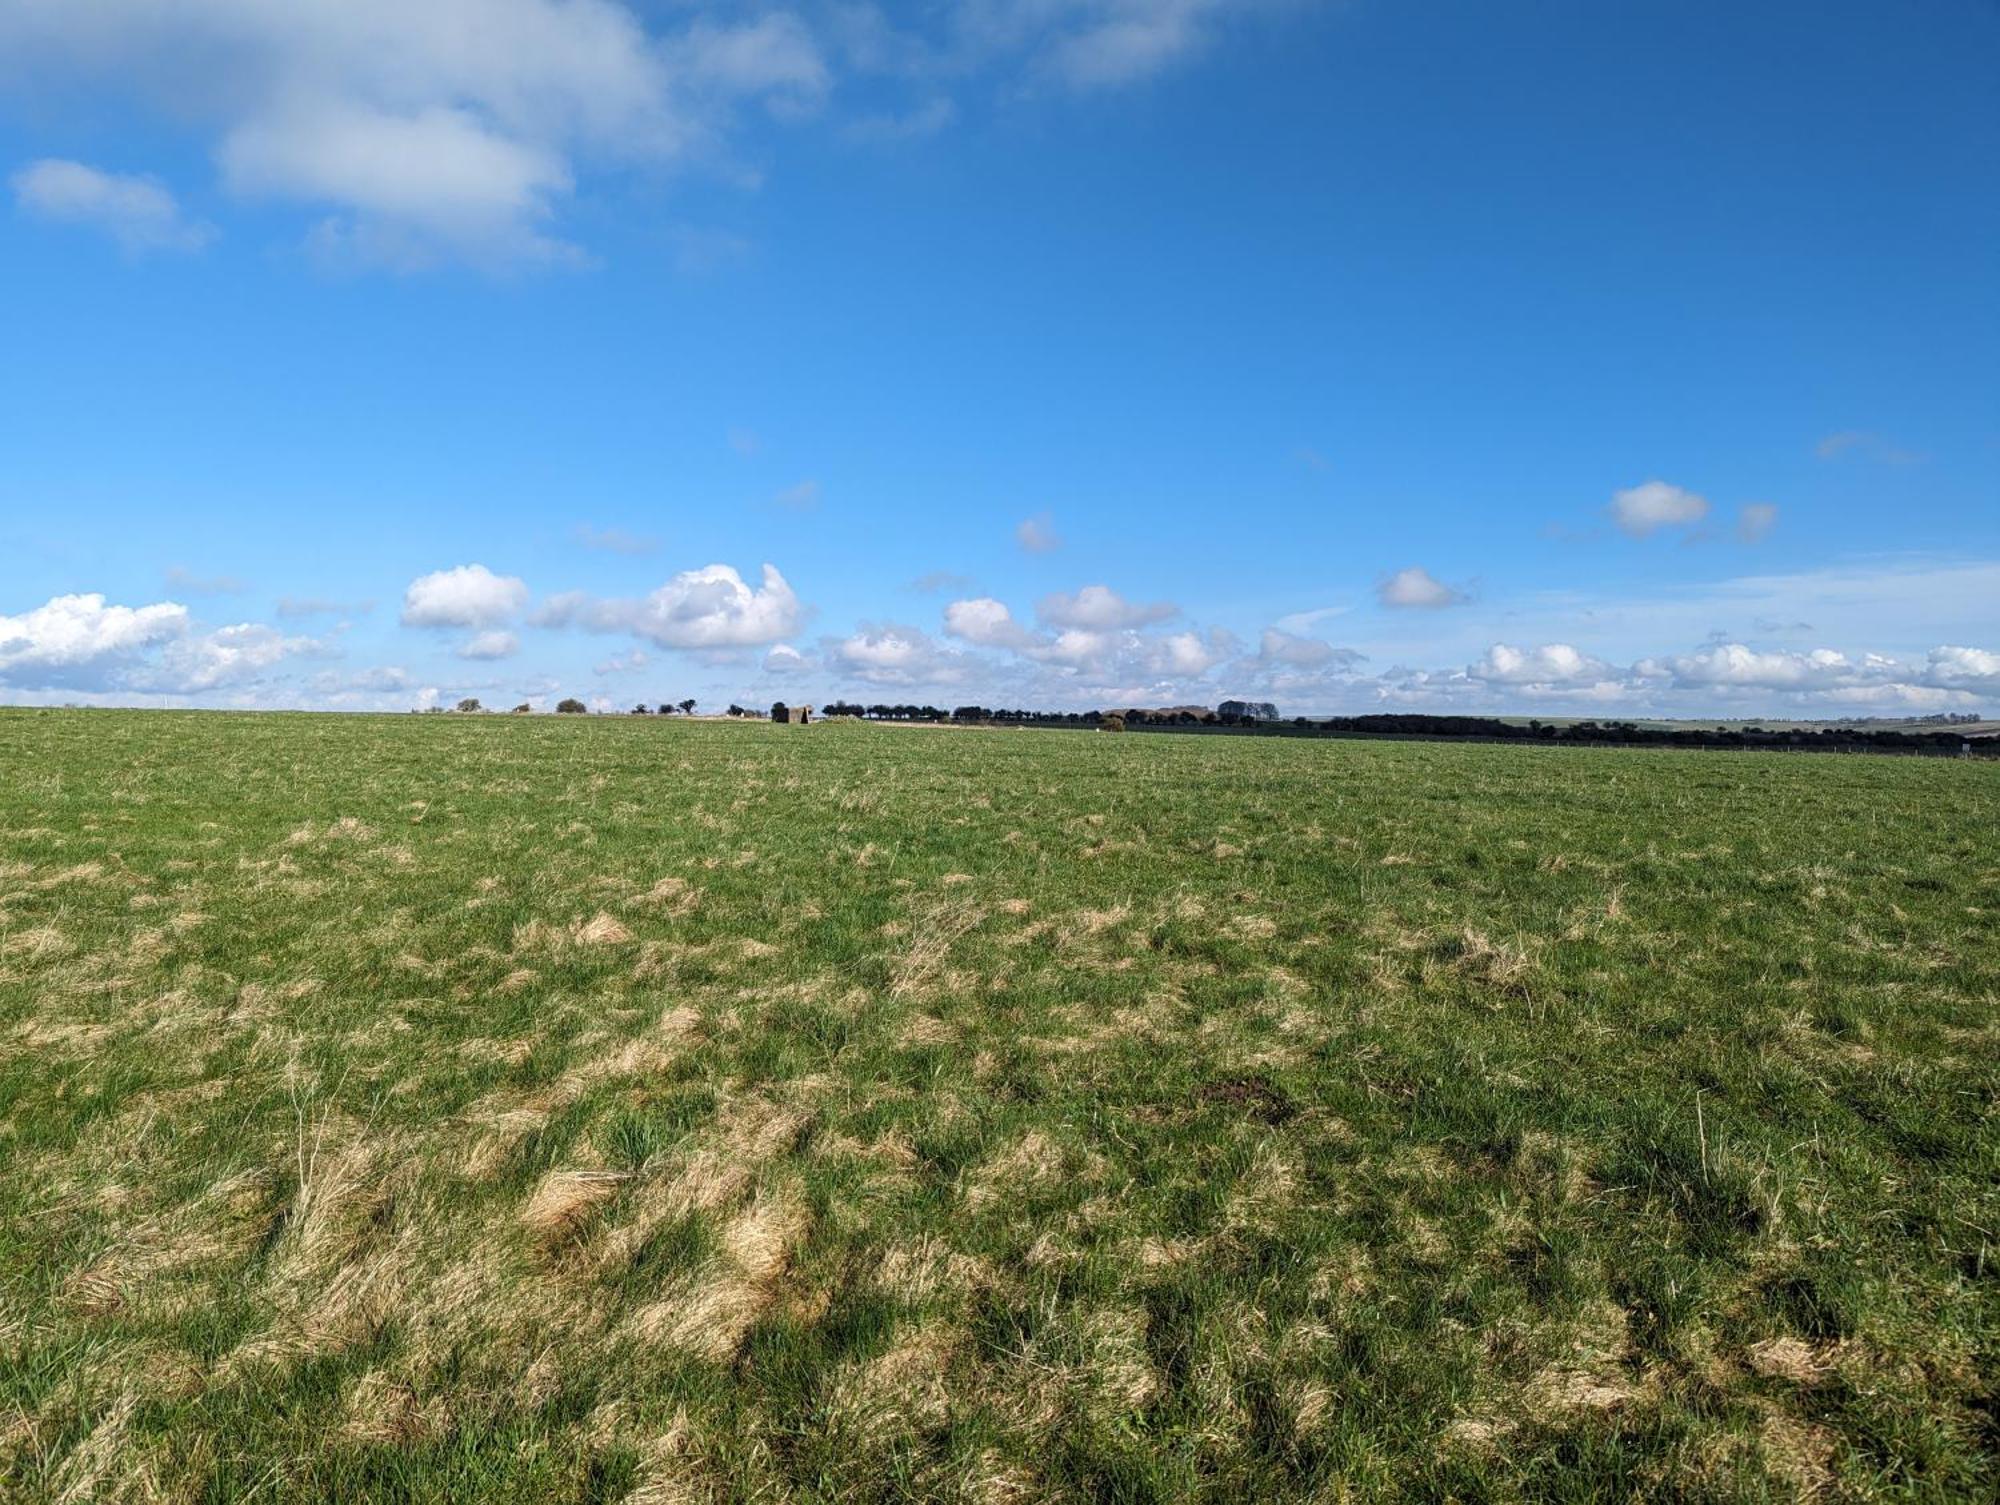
(73, 633)
(1092, 634)
(1738, 665)
(81, 642)
(1187, 654)
(1551, 663)
(1755, 522)
(1964, 668)
(1644, 509)
(1417, 587)
(240, 655)
(140, 213)
(1816, 682)
(469, 595)
(1098, 608)
(712, 608)
(1038, 534)
(989, 624)
(491, 644)
(892, 655)
(785, 659)
(1290, 649)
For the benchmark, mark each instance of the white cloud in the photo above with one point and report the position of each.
(785, 659)
(799, 498)
(1964, 668)
(1646, 508)
(1734, 664)
(469, 595)
(1551, 663)
(892, 655)
(1038, 534)
(438, 181)
(712, 608)
(1303, 622)
(1096, 636)
(1290, 649)
(1082, 44)
(448, 129)
(774, 57)
(73, 633)
(1417, 587)
(239, 655)
(140, 213)
(81, 643)
(492, 644)
(988, 623)
(1755, 522)
(423, 131)
(1188, 654)
(1098, 608)
(1125, 40)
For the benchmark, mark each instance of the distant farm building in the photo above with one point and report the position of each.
(795, 715)
(1248, 710)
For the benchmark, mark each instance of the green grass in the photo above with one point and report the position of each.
(551, 1109)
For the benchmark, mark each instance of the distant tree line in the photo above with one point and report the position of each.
(1631, 734)
(1859, 737)
(1485, 728)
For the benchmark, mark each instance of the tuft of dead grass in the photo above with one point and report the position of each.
(563, 1199)
(601, 929)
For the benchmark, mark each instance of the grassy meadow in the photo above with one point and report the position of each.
(598, 1109)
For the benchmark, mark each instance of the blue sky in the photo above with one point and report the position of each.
(1555, 357)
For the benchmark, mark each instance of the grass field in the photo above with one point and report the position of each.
(565, 1109)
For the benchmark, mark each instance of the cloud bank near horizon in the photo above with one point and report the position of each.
(1088, 648)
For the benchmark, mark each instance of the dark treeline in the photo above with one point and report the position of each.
(1631, 734)
(1482, 728)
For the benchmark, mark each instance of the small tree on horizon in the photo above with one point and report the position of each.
(469, 705)
(687, 706)
(569, 707)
